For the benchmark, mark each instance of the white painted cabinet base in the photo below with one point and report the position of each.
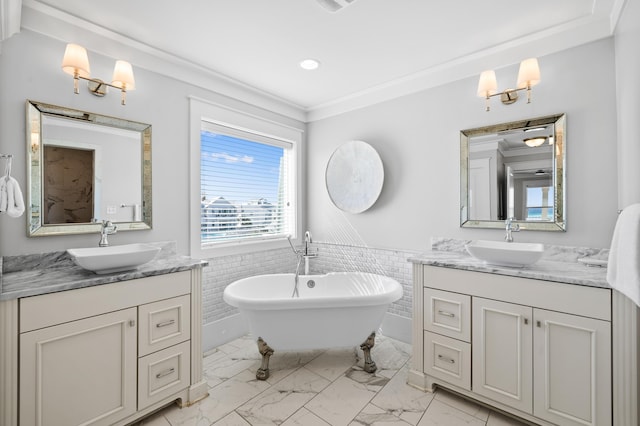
(580, 336)
(44, 377)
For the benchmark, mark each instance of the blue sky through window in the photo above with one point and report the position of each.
(239, 170)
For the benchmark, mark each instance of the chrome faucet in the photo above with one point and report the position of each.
(106, 229)
(509, 228)
(307, 253)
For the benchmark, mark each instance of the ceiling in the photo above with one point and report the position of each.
(368, 50)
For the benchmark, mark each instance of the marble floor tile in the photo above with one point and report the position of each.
(376, 416)
(464, 405)
(232, 419)
(304, 417)
(341, 401)
(222, 400)
(441, 414)
(403, 401)
(280, 401)
(333, 363)
(320, 388)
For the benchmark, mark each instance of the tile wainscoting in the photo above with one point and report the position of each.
(222, 323)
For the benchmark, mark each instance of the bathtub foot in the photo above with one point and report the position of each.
(369, 365)
(266, 352)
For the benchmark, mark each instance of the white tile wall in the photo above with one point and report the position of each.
(224, 270)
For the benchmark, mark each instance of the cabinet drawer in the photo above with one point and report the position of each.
(447, 359)
(163, 373)
(163, 324)
(447, 313)
(65, 306)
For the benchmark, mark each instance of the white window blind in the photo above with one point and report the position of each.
(247, 186)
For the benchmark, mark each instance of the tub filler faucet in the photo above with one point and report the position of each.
(307, 252)
(305, 255)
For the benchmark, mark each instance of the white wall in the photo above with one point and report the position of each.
(30, 69)
(628, 88)
(417, 137)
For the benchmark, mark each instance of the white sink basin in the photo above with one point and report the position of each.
(506, 254)
(105, 260)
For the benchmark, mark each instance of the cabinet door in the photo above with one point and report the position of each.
(502, 352)
(572, 369)
(79, 373)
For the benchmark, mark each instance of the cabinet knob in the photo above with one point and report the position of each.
(132, 323)
(538, 324)
(526, 321)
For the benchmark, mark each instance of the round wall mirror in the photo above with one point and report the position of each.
(354, 176)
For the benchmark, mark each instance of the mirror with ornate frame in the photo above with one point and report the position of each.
(84, 168)
(514, 170)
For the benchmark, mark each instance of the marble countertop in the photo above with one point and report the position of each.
(562, 271)
(35, 274)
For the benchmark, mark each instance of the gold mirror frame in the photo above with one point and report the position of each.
(34, 117)
(559, 173)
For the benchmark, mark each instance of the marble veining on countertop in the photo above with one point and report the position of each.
(35, 274)
(558, 264)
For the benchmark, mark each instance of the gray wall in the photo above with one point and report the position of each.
(628, 102)
(417, 137)
(30, 69)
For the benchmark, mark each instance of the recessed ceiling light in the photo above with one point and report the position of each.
(309, 64)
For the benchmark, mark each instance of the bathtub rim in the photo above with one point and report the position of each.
(393, 293)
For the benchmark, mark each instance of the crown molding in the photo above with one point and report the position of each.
(10, 15)
(43, 19)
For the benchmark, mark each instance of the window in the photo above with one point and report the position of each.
(244, 186)
(539, 202)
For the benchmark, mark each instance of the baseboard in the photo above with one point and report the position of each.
(223, 331)
(397, 327)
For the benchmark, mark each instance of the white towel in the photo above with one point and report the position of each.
(15, 201)
(3, 194)
(623, 273)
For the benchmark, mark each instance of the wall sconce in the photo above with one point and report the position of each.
(528, 76)
(76, 63)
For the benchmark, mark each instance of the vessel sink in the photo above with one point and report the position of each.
(502, 253)
(105, 260)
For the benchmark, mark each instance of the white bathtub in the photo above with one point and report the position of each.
(341, 310)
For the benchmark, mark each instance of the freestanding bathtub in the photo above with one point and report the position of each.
(339, 309)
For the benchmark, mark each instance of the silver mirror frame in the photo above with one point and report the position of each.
(559, 173)
(34, 113)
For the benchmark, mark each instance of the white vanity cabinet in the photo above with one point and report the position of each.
(107, 354)
(537, 349)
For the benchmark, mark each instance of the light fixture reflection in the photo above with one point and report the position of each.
(534, 142)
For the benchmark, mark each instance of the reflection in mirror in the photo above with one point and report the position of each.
(85, 168)
(514, 170)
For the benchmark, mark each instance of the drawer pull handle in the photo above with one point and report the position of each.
(447, 314)
(165, 372)
(165, 323)
(446, 359)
